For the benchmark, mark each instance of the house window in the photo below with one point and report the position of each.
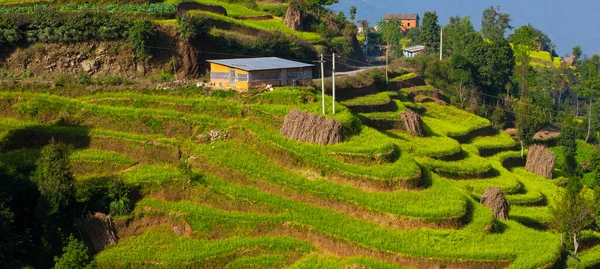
(409, 24)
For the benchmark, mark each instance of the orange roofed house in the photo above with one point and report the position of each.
(409, 21)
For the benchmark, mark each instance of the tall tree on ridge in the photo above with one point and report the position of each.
(430, 32)
(456, 35)
(494, 23)
(352, 13)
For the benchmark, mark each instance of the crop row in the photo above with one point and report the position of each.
(537, 248)
(403, 172)
(47, 109)
(141, 148)
(451, 121)
(96, 163)
(242, 157)
(157, 10)
(472, 166)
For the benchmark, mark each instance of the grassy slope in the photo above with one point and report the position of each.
(441, 198)
(258, 191)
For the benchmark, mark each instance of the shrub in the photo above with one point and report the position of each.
(118, 194)
(63, 80)
(341, 45)
(276, 43)
(163, 77)
(140, 35)
(191, 27)
(75, 255)
(84, 79)
(251, 4)
(54, 179)
(50, 26)
(115, 81)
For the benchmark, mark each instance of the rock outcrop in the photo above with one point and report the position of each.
(293, 17)
(99, 231)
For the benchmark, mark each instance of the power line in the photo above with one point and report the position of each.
(229, 54)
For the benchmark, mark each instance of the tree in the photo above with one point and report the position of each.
(456, 35)
(572, 212)
(12, 241)
(567, 140)
(589, 86)
(524, 38)
(494, 62)
(494, 23)
(461, 75)
(75, 256)
(577, 51)
(523, 42)
(316, 3)
(414, 34)
(430, 32)
(533, 38)
(54, 179)
(352, 13)
(529, 119)
(390, 32)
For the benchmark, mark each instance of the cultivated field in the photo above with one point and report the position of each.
(382, 198)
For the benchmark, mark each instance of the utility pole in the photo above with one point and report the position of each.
(323, 83)
(441, 42)
(333, 84)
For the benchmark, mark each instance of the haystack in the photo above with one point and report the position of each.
(99, 230)
(540, 161)
(412, 122)
(312, 128)
(494, 199)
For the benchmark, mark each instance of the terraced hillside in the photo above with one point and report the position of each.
(380, 199)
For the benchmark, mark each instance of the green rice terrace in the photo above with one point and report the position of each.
(203, 177)
(251, 198)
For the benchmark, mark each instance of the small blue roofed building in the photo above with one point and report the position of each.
(414, 51)
(246, 73)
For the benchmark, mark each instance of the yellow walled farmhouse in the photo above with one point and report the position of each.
(245, 73)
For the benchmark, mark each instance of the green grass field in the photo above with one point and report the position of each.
(382, 198)
(266, 201)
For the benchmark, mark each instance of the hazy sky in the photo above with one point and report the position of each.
(567, 23)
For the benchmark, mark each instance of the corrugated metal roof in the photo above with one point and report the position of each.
(402, 16)
(253, 64)
(414, 48)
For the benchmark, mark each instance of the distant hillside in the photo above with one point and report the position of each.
(228, 30)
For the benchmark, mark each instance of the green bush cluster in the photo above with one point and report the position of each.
(140, 35)
(157, 10)
(191, 27)
(51, 25)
